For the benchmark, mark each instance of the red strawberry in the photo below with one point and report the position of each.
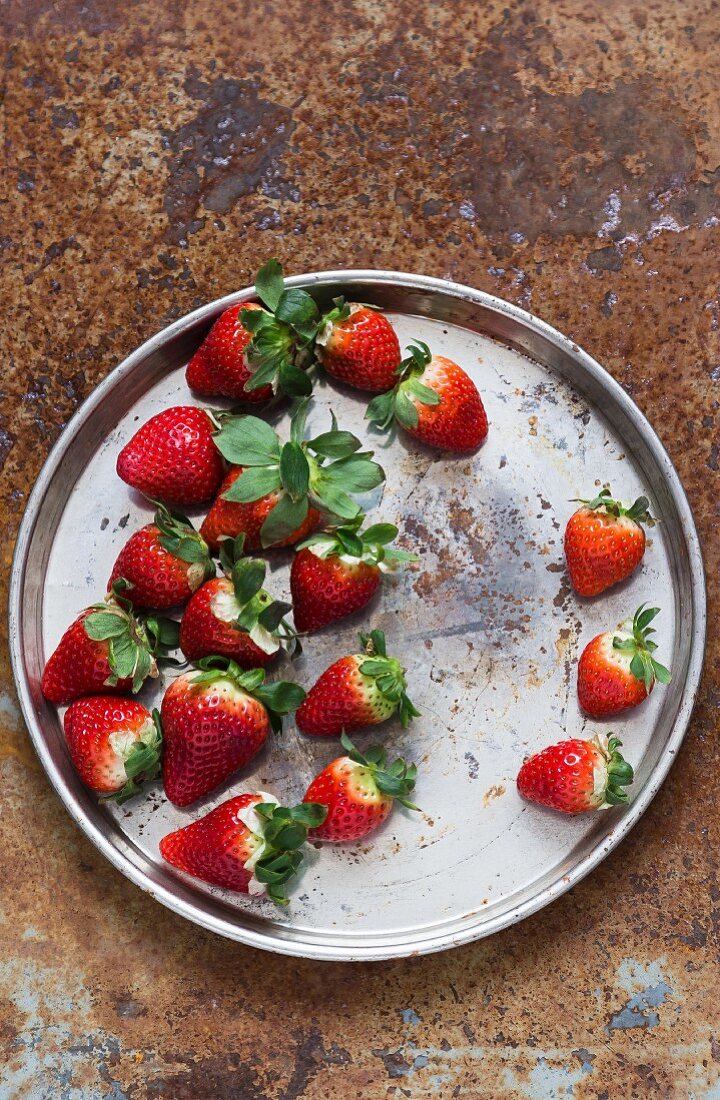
(435, 400)
(220, 368)
(106, 650)
(114, 744)
(214, 721)
(359, 346)
(248, 843)
(336, 574)
(359, 791)
(234, 616)
(362, 690)
(617, 669)
(576, 775)
(173, 457)
(164, 562)
(276, 491)
(604, 542)
(228, 519)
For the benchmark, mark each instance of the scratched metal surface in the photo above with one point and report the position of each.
(486, 625)
(559, 154)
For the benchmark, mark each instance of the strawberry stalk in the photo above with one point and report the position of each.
(639, 511)
(285, 832)
(635, 639)
(396, 780)
(388, 674)
(369, 546)
(325, 472)
(141, 761)
(179, 538)
(396, 403)
(279, 697)
(136, 643)
(262, 617)
(619, 772)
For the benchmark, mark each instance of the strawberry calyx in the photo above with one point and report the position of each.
(396, 404)
(136, 643)
(141, 759)
(388, 674)
(638, 511)
(618, 773)
(340, 312)
(324, 472)
(179, 538)
(282, 334)
(396, 780)
(284, 833)
(635, 641)
(260, 616)
(279, 697)
(353, 545)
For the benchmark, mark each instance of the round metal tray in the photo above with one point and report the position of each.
(486, 625)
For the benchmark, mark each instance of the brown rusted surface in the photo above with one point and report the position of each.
(562, 155)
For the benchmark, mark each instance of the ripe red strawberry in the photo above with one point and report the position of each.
(338, 573)
(617, 669)
(359, 791)
(106, 651)
(576, 775)
(604, 542)
(362, 690)
(248, 843)
(173, 457)
(358, 345)
(164, 562)
(214, 721)
(276, 491)
(220, 366)
(114, 744)
(228, 519)
(435, 400)
(234, 616)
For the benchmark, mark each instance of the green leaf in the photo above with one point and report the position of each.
(122, 657)
(381, 409)
(283, 520)
(271, 616)
(280, 696)
(248, 577)
(263, 375)
(190, 550)
(335, 444)
(310, 814)
(662, 674)
(405, 411)
(355, 474)
(380, 534)
(296, 307)
(255, 319)
(102, 625)
(253, 484)
(350, 542)
(248, 441)
(421, 393)
(269, 283)
(335, 501)
(294, 470)
(293, 381)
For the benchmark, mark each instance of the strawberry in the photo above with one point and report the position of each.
(362, 690)
(617, 669)
(358, 345)
(107, 650)
(220, 367)
(575, 775)
(228, 519)
(233, 616)
(337, 573)
(435, 400)
(173, 457)
(114, 744)
(604, 542)
(164, 562)
(214, 721)
(278, 488)
(248, 843)
(359, 792)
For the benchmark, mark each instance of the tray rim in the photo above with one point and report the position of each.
(376, 948)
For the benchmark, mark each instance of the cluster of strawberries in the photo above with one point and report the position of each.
(265, 493)
(604, 544)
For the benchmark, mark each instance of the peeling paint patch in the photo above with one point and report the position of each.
(639, 1009)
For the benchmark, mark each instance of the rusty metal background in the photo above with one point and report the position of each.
(486, 625)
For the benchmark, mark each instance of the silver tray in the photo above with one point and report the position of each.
(487, 627)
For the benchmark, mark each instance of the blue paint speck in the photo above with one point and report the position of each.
(637, 1012)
